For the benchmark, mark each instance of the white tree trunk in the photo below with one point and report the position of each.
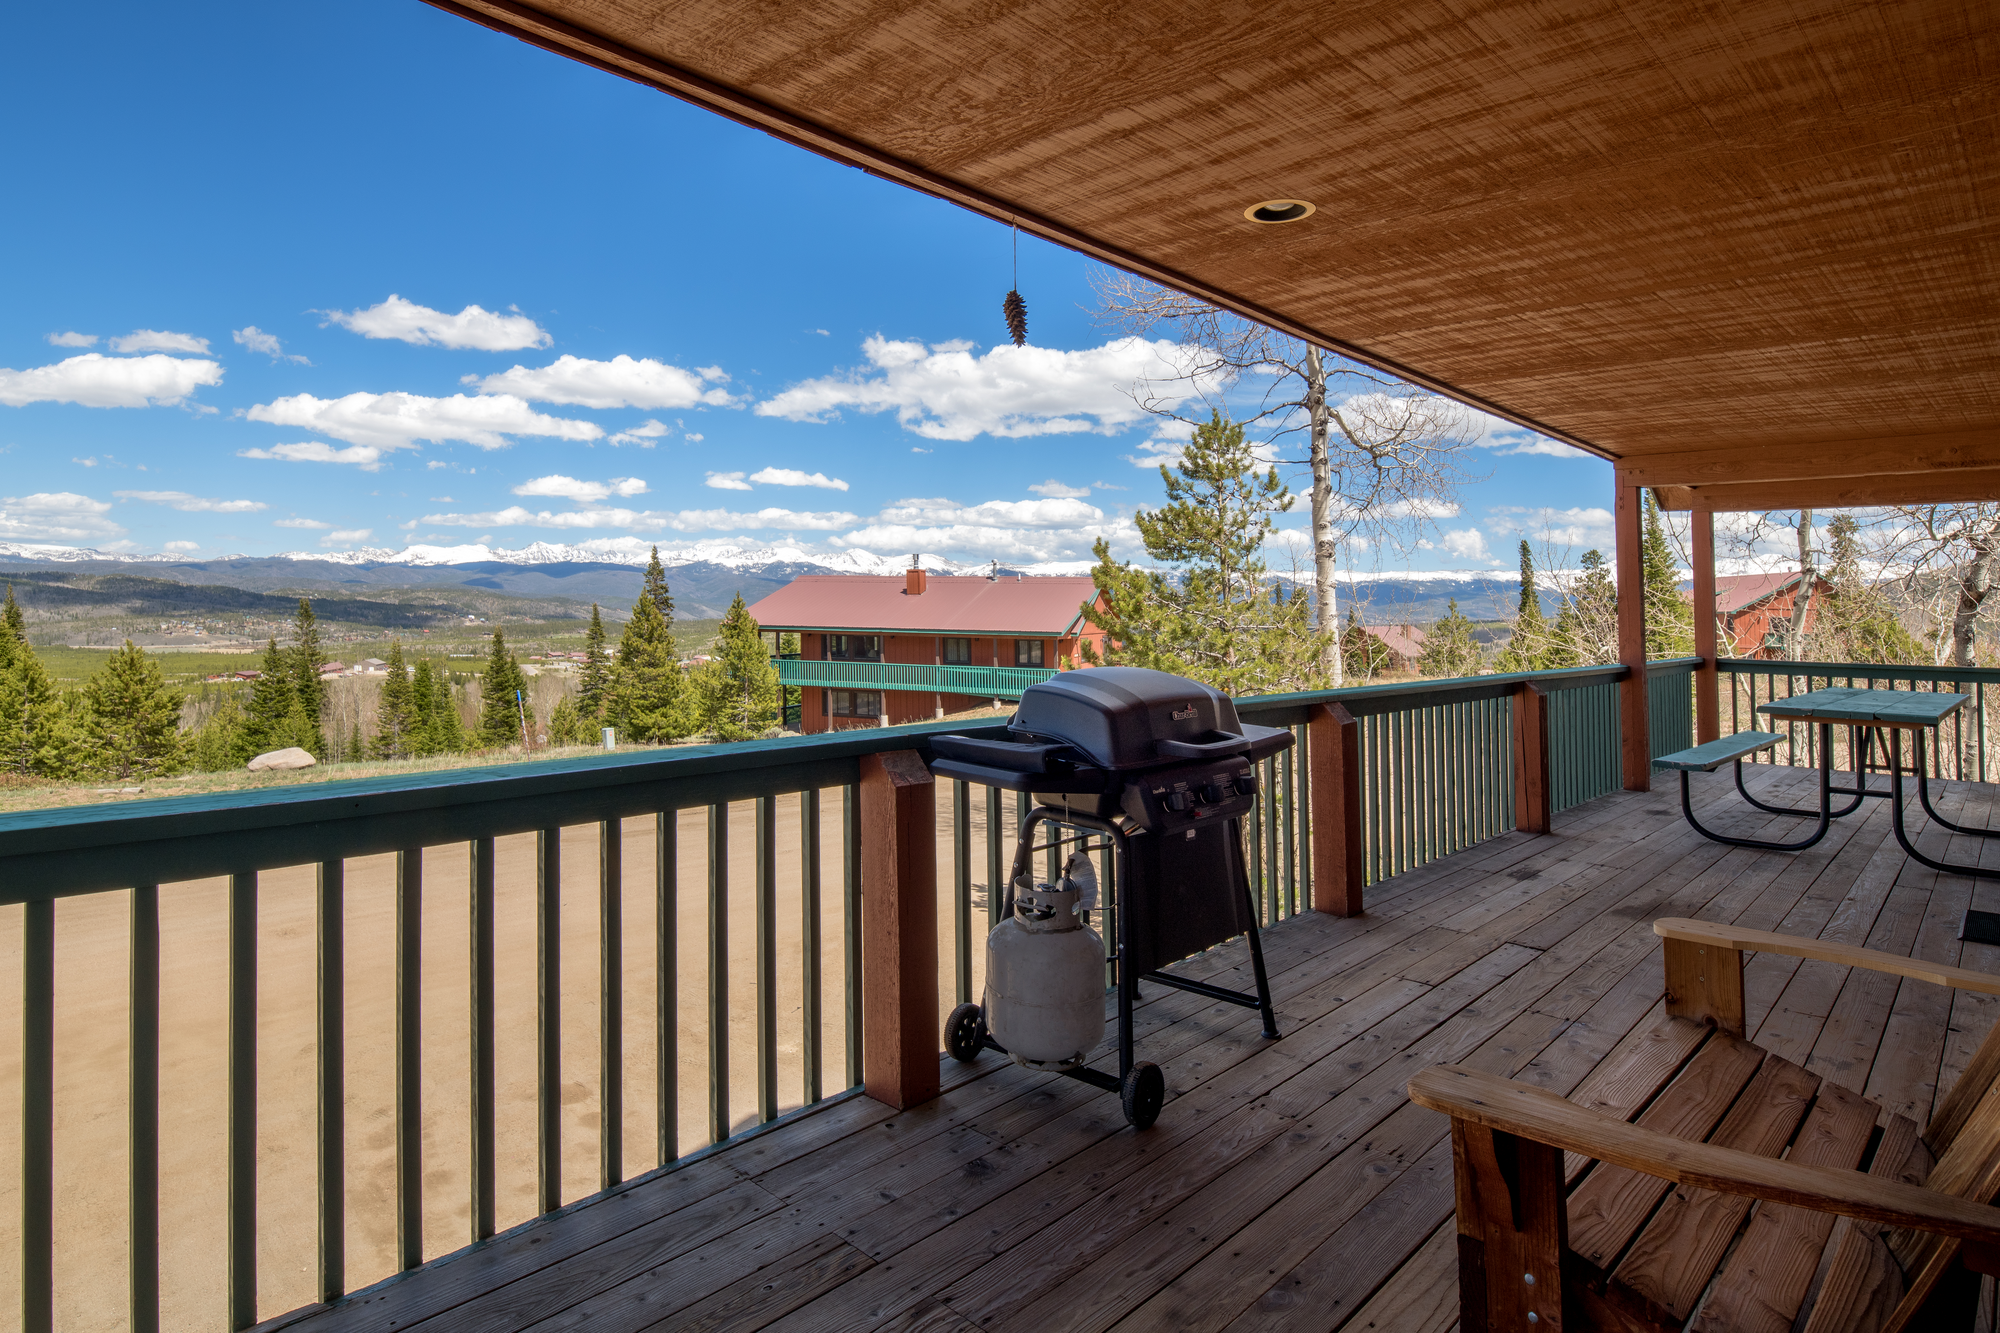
(1322, 521)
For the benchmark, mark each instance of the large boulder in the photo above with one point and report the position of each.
(293, 757)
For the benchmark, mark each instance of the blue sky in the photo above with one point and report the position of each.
(227, 197)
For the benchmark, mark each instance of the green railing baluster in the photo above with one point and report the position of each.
(242, 1131)
(961, 886)
(409, 1058)
(1304, 770)
(850, 872)
(767, 959)
(718, 972)
(331, 979)
(667, 983)
(811, 941)
(38, 1036)
(611, 1001)
(143, 1112)
(485, 1100)
(548, 1020)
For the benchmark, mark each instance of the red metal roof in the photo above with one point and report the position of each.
(1406, 641)
(971, 604)
(1733, 592)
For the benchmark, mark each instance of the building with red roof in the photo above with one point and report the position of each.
(1754, 611)
(878, 651)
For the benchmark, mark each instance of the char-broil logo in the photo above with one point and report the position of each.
(1183, 715)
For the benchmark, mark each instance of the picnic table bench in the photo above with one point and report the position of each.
(1636, 1212)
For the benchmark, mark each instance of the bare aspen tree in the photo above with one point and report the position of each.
(1383, 461)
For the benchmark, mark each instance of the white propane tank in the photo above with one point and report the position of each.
(1045, 979)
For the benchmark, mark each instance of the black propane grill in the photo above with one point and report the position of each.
(1160, 767)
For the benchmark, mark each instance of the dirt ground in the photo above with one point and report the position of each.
(92, 961)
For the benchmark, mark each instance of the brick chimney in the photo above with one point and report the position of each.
(914, 580)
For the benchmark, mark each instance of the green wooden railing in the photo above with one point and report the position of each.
(1964, 746)
(1436, 775)
(984, 682)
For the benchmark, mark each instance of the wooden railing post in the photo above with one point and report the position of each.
(1534, 799)
(1333, 749)
(1707, 698)
(1705, 984)
(899, 936)
(1635, 735)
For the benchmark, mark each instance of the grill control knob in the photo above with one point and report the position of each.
(1177, 800)
(1213, 793)
(1247, 785)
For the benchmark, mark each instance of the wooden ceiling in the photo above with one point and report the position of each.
(1741, 244)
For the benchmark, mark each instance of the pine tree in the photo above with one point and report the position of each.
(739, 694)
(1857, 622)
(654, 589)
(1214, 617)
(213, 746)
(308, 689)
(1669, 614)
(1586, 632)
(137, 717)
(566, 723)
(648, 699)
(395, 711)
(447, 730)
(356, 752)
(13, 624)
(596, 669)
(1363, 656)
(43, 733)
(1449, 648)
(268, 725)
(1529, 648)
(501, 709)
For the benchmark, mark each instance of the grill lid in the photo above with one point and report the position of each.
(1130, 717)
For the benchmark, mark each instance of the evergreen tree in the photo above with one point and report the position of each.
(596, 679)
(308, 688)
(396, 710)
(655, 590)
(739, 690)
(43, 733)
(1669, 614)
(13, 624)
(137, 717)
(1449, 648)
(1857, 622)
(1214, 617)
(648, 699)
(567, 725)
(356, 752)
(447, 729)
(501, 708)
(1586, 632)
(1363, 656)
(214, 744)
(1529, 648)
(268, 726)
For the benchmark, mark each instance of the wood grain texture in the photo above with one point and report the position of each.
(1511, 1228)
(1534, 795)
(1634, 723)
(1704, 984)
(1707, 692)
(899, 933)
(1826, 951)
(1333, 748)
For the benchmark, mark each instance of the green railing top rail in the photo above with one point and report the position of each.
(945, 678)
(1760, 666)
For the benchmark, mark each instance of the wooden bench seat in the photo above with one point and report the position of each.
(1719, 1187)
(1708, 757)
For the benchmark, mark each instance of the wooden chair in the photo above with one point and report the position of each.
(1865, 1223)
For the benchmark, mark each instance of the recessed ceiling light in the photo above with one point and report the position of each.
(1279, 210)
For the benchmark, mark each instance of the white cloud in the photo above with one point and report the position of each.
(86, 462)
(366, 457)
(56, 516)
(727, 481)
(1536, 444)
(473, 327)
(642, 435)
(1055, 490)
(1466, 544)
(264, 344)
(193, 504)
(943, 392)
(1575, 526)
(311, 524)
(822, 333)
(619, 382)
(787, 476)
(693, 438)
(1032, 530)
(583, 492)
(158, 340)
(71, 339)
(686, 520)
(346, 537)
(180, 546)
(96, 380)
(398, 420)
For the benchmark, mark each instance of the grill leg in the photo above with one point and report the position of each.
(1257, 970)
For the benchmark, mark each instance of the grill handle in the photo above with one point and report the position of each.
(1223, 746)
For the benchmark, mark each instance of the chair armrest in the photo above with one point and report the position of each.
(1846, 955)
(1532, 1113)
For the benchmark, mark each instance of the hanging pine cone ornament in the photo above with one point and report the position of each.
(1016, 311)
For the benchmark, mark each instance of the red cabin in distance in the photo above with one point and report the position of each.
(924, 619)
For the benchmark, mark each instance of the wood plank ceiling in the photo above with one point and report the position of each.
(1722, 244)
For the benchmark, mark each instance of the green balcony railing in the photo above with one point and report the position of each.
(986, 682)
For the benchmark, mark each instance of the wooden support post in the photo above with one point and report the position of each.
(1633, 721)
(1707, 696)
(899, 935)
(1534, 800)
(1333, 750)
(1512, 1230)
(1705, 983)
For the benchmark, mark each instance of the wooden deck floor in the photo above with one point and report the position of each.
(1288, 1184)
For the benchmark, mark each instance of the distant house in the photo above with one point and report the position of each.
(1754, 611)
(332, 668)
(922, 620)
(1405, 644)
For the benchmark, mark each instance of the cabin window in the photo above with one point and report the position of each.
(957, 652)
(854, 703)
(853, 647)
(1027, 652)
